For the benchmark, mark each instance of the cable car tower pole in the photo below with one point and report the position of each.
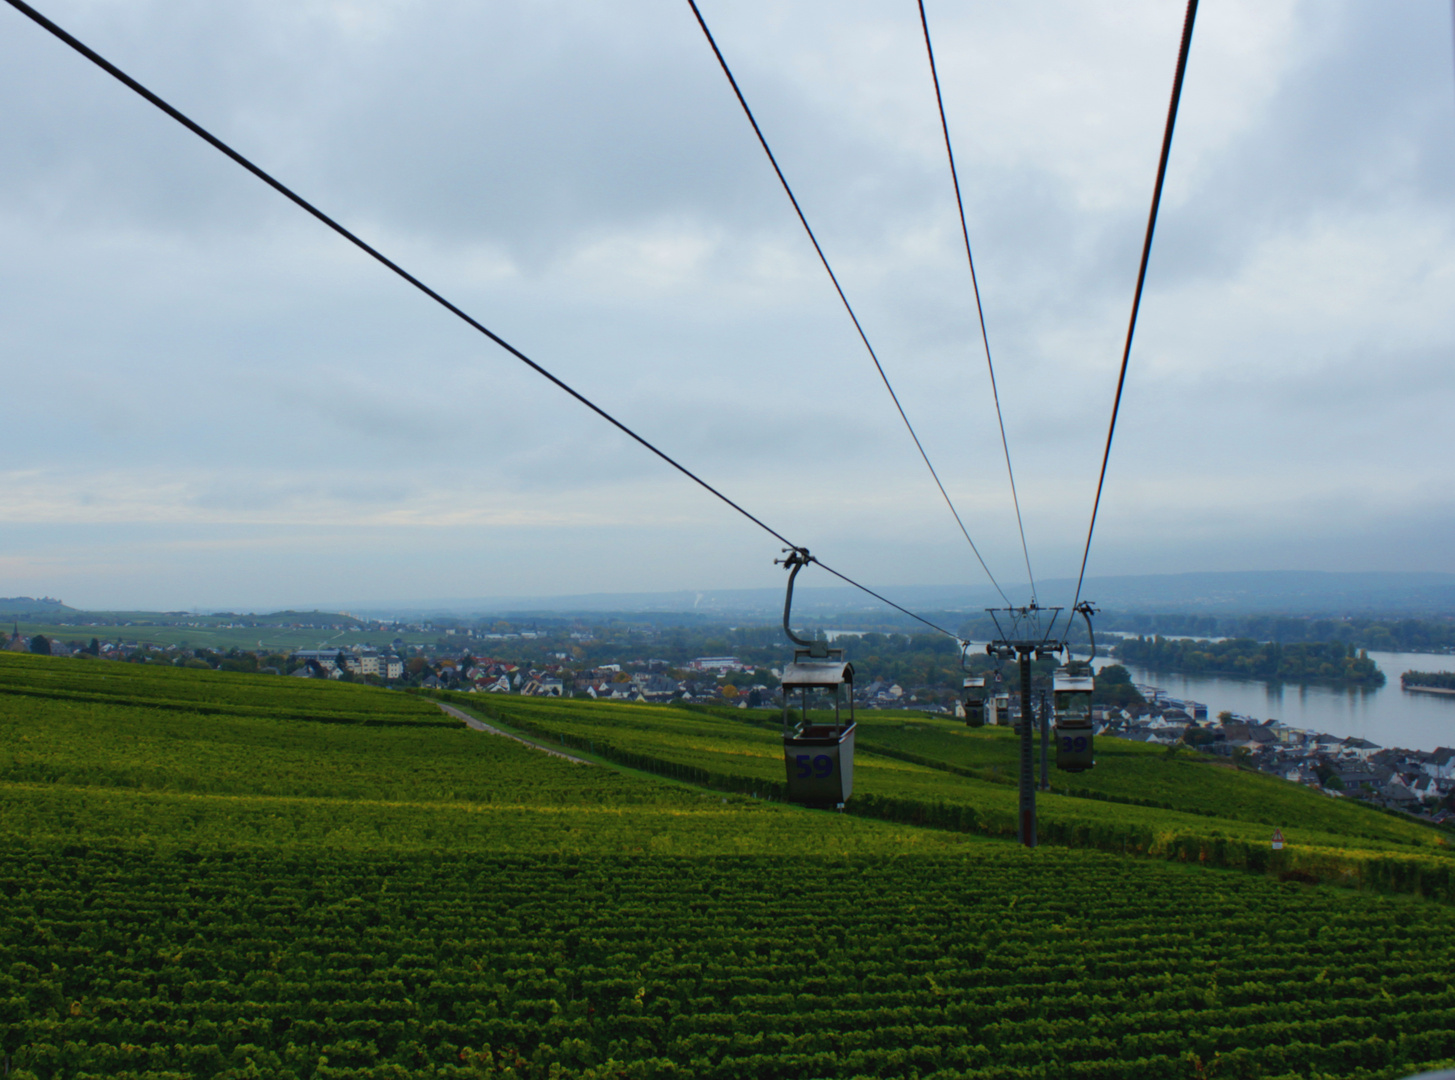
(1026, 640)
(1045, 742)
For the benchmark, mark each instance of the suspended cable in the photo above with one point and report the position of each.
(975, 286)
(884, 600)
(722, 61)
(198, 130)
(1182, 51)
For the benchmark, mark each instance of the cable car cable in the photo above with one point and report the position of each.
(762, 140)
(885, 600)
(191, 125)
(1182, 52)
(975, 286)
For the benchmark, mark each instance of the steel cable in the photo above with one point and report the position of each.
(218, 144)
(975, 286)
(762, 140)
(1182, 52)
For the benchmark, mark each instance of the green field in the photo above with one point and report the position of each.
(1140, 774)
(212, 875)
(1220, 815)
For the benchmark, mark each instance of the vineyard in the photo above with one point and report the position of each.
(128, 962)
(932, 772)
(238, 878)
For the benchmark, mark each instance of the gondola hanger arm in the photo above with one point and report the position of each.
(795, 559)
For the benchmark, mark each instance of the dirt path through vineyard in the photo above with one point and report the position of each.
(480, 725)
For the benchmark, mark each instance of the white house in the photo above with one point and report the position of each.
(1441, 763)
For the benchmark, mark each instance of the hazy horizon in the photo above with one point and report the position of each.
(1298, 593)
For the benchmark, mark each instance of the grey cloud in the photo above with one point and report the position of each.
(582, 180)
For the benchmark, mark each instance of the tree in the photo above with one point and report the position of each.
(1114, 673)
(1113, 686)
(40, 645)
(1198, 736)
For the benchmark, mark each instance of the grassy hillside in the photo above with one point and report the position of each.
(205, 875)
(1140, 774)
(163, 687)
(1223, 816)
(208, 756)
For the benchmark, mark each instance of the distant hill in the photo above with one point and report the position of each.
(1292, 592)
(28, 605)
(1301, 592)
(1282, 592)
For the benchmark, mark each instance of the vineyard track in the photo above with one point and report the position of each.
(480, 725)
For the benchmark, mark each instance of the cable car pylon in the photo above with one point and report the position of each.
(818, 757)
(1025, 636)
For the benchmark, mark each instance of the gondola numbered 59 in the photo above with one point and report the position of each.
(818, 757)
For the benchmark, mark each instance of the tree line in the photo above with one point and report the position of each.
(1312, 662)
(1438, 680)
(1381, 635)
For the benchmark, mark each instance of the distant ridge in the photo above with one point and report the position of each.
(29, 605)
(1290, 592)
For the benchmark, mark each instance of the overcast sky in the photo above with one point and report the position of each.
(210, 400)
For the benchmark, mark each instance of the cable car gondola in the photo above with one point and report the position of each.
(1071, 687)
(974, 690)
(818, 757)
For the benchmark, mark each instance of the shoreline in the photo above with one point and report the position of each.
(1336, 684)
(1427, 689)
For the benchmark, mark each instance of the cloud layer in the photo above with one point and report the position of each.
(212, 400)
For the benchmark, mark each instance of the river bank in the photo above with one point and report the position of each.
(1385, 715)
(1324, 663)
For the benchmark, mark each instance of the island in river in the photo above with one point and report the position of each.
(1429, 682)
(1322, 662)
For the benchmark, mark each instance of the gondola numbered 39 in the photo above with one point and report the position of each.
(1071, 687)
(818, 757)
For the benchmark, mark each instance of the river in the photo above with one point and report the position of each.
(1389, 715)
